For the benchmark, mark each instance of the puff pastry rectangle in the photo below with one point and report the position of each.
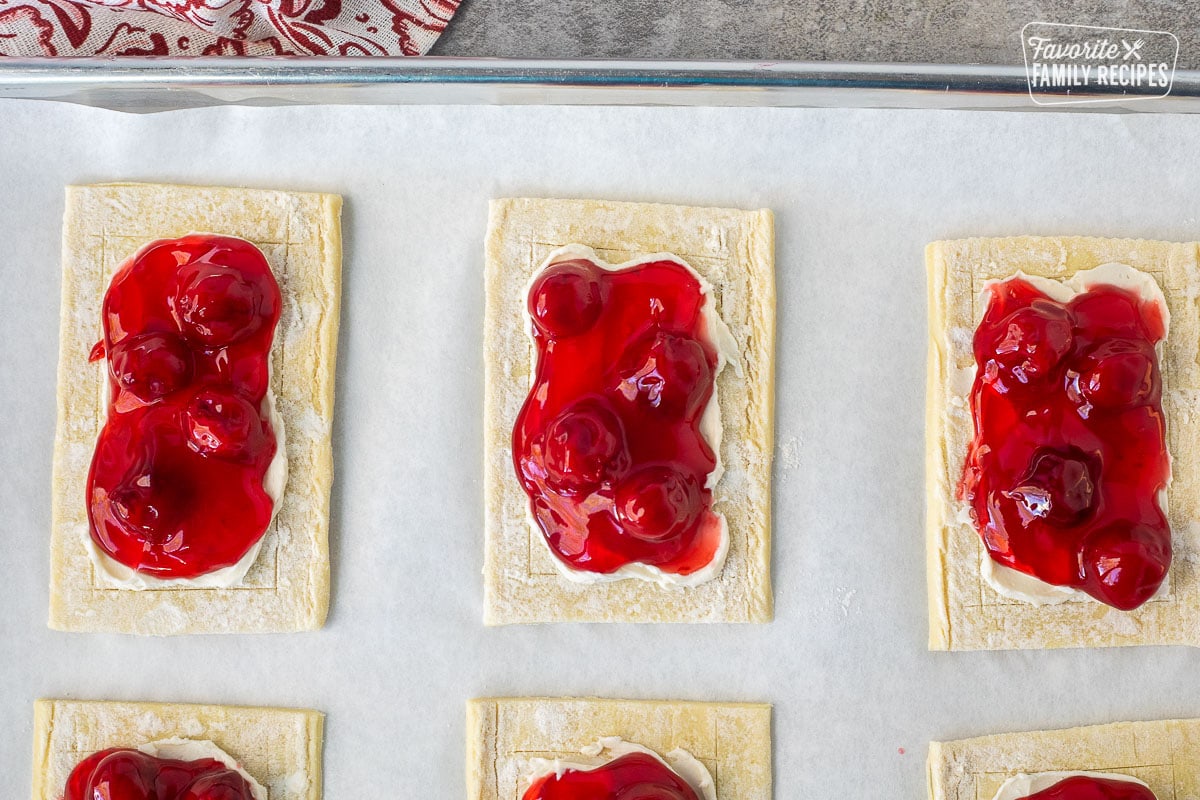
(732, 740)
(287, 589)
(1165, 754)
(964, 612)
(279, 747)
(734, 250)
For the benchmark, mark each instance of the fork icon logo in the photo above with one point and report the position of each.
(1068, 63)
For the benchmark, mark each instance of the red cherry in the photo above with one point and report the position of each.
(149, 505)
(1109, 312)
(1125, 563)
(550, 520)
(81, 776)
(1058, 488)
(1029, 344)
(566, 299)
(222, 423)
(217, 305)
(224, 785)
(120, 775)
(1118, 374)
(584, 448)
(151, 365)
(657, 503)
(667, 371)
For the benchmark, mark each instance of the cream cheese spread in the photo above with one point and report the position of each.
(177, 749)
(1017, 585)
(115, 574)
(1022, 785)
(679, 761)
(710, 422)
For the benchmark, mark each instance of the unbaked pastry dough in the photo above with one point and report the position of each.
(1164, 754)
(966, 614)
(732, 740)
(280, 747)
(287, 589)
(734, 251)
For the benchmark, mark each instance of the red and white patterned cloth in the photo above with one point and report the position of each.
(221, 27)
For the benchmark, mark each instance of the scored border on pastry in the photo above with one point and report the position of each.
(732, 740)
(287, 589)
(1162, 753)
(734, 251)
(964, 612)
(279, 747)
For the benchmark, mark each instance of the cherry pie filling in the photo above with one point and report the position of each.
(1069, 458)
(636, 776)
(125, 774)
(1083, 787)
(608, 445)
(176, 488)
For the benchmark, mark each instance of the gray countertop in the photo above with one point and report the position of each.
(937, 31)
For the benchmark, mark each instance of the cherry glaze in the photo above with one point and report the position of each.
(1082, 787)
(634, 776)
(1069, 454)
(608, 444)
(176, 483)
(125, 774)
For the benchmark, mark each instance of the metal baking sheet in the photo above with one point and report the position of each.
(157, 84)
(857, 194)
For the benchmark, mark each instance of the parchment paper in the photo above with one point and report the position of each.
(857, 195)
